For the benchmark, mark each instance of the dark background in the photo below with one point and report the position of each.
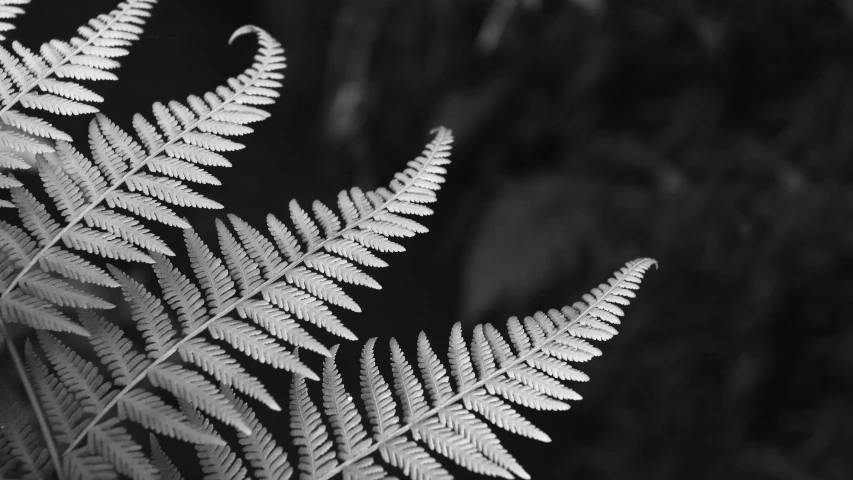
(714, 136)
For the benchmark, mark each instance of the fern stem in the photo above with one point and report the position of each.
(44, 426)
(201, 328)
(79, 49)
(479, 384)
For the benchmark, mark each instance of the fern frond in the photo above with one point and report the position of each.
(218, 462)
(454, 421)
(37, 80)
(248, 280)
(267, 459)
(76, 392)
(82, 188)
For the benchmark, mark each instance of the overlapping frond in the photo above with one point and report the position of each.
(453, 421)
(253, 298)
(101, 199)
(73, 391)
(266, 460)
(48, 80)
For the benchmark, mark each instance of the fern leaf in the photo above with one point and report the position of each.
(412, 459)
(56, 291)
(86, 57)
(214, 278)
(350, 436)
(167, 190)
(61, 408)
(71, 265)
(181, 170)
(309, 433)
(321, 287)
(408, 387)
(126, 228)
(190, 386)
(181, 294)
(218, 462)
(376, 395)
(81, 186)
(145, 207)
(33, 125)
(254, 265)
(164, 464)
(267, 459)
(28, 310)
(215, 361)
(455, 421)
(82, 464)
(307, 307)
(304, 225)
(242, 268)
(280, 325)
(79, 375)
(344, 417)
(86, 176)
(103, 244)
(259, 248)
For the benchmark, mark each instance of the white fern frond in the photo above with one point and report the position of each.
(194, 388)
(33, 80)
(316, 456)
(267, 459)
(214, 360)
(74, 395)
(248, 280)
(81, 188)
(164, 464)
(113, 443)
(454, 421)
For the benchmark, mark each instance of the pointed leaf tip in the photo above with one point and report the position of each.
(245, 29)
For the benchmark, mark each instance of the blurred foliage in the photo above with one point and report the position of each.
(715, 136)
